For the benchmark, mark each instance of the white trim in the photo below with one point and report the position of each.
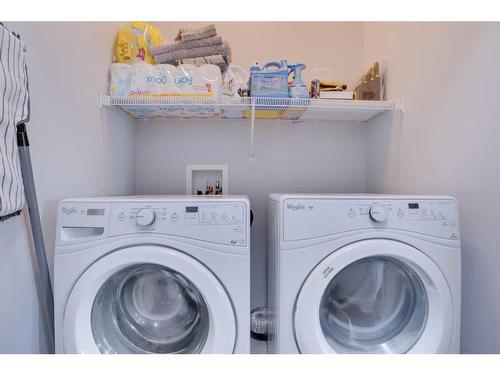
(77, 330)
(437, 335)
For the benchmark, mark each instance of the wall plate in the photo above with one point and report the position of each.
(197, 176)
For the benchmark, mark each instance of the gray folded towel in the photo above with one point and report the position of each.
(222, 61)
(219, 60)
(216, 59)
(193, 33)
(166, 48)
(222, 49)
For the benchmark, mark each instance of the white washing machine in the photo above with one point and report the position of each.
(153, 275)
(364, 274)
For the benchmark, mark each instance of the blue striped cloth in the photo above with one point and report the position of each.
(14, 109)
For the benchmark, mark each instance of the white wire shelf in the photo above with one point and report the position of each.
(280, 109)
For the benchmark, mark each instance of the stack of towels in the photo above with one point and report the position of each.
(196, 46)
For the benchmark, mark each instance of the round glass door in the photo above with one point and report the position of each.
(374, 305)
(149, 308)
(374, 296)
(148, 299)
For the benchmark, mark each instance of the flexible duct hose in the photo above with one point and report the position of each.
(261, 323)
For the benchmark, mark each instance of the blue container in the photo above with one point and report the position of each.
(270, 83)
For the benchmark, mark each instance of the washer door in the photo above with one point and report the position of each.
(374, 296)
(148, 299)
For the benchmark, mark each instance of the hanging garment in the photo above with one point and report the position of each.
(14, 109)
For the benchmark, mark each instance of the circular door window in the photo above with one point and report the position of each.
(374, 305)
(374, 296)
(148, 299)
(148, 308)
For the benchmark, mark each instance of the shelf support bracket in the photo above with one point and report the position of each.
(104, 100)
(400, 105)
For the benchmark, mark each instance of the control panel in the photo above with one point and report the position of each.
(223, 222)
(311, 217)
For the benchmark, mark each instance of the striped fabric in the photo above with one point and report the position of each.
(14, 102)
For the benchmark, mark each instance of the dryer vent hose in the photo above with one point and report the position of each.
(261, 323)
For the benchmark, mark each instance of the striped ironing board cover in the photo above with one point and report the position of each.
(14, 109)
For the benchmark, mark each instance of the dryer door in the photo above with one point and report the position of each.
(149, 299)
(374, 296)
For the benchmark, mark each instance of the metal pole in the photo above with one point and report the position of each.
(43, 283)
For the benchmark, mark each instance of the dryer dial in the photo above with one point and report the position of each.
(378, 213)
(145, 217)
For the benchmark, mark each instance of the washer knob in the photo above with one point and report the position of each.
(378, 213)
(145, 217)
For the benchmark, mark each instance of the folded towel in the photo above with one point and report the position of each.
(166, 48)
(215, 59)
(193, 33)
(222, 61)
(222, 49)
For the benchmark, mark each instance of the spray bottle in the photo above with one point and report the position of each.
(298, 88)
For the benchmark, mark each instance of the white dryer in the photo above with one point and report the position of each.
(364, 274)
(153, 275)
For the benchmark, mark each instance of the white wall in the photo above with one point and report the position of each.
(76, 150)
(308, 157)
(447, 144)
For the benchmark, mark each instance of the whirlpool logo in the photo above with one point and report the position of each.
(295, 206)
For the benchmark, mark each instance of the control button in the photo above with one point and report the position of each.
(378, 213)
(191, 219)
(174, 217)
(121, 216)
(400, 213)
(351, 213)
(145, 217)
